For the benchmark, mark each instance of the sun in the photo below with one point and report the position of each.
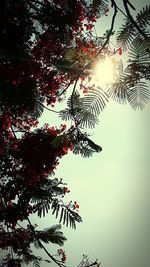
(104, 71)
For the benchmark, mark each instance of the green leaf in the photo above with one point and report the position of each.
(85, 109)
(65, 114)
(140, 50)
(143, 17)
(67, 216)
(95, 101)
(125, 35)
(139, 95)
(52, 234)
(46, 189)
(43, 207)
(85, 147)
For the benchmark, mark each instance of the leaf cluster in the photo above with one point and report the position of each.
(48, 196)
(52, 234)
(127, 32)
(85, 110)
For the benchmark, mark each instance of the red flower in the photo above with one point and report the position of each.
(93, 19)
(89, 26)
(66, 190)
(71, 148)
(82, 17)
(86, 90)
(81, 85)
(64, 258)
(119, 51)
(64, 126)
(76, 205)
(85, 49)
(65, 149)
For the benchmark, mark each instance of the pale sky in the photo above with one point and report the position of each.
(112, 189)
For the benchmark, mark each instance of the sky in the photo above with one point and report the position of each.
(112, 189)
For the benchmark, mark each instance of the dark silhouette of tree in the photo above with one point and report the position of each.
(48, 47)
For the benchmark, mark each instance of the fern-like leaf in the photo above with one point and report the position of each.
(65, 114)
(36, 262)
(118, 91)
(85, 147)
(86, 118)
(47, 189)
(100, 5)
(128, 32)
(143, 17)
(140, 50)
(43, 207)
(67, 216)
(139, 95)
(52, 234)
(85, 109)
(95, 101)
(84, 150)
(125, 35)
(38, 108)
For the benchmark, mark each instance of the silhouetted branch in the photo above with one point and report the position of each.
(107, 38)
(46, 107)
(72, 95)
(59, 263)
(126, 3)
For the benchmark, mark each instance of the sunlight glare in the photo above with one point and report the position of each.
(104, 71)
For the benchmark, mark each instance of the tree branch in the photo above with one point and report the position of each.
(72, 95)
(46, 107)
(65, 89)
(126, 3)
(59, 263)
(108, 35)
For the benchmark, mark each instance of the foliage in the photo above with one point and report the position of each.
(85, 110)
(127, 33)
(131, 83)
(48, 48)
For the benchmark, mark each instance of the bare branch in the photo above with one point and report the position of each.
(46, 107)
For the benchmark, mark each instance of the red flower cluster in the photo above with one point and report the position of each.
(34, 38)
(62, 254)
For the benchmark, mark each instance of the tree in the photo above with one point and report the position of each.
(48, 47)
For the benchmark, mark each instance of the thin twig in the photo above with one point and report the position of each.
(13, 132)
(114, 3)
(72, 95)
(65, 89)
(46, 107)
